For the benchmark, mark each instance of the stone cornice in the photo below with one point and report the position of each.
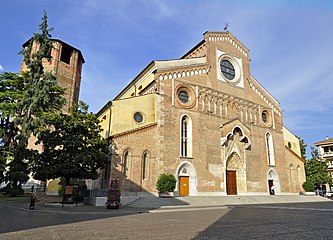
(133, 131)
(227, 37)
(189, 71)
(199, 48)
(265, 96)
(225, 97)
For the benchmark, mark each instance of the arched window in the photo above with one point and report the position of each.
(145, 165)
(186, 137)
(237, 131)
(125, 163)
(270, 149)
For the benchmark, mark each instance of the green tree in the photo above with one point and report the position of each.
(41, 95)
(11, 87)
(73, 147)
(303, 146)
(41, 91)
(315, 169)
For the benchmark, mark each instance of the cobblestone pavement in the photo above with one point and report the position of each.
(275, 221)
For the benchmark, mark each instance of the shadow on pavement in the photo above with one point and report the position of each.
(18, 216)
(273, 221)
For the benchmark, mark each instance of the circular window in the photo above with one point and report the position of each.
(138, 117)
(264, 116)
(227, 69)
(183, 96)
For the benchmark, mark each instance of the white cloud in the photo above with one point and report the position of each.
(1, 68)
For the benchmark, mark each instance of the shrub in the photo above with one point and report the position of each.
(308, 186)
(166, 183)
(15, 192)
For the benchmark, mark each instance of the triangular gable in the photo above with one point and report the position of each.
(229, 126)
(200, 49)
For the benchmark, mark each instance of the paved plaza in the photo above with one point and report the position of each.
(301, 220)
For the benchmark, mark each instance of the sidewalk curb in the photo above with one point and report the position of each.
(185, 209)
(107, 212)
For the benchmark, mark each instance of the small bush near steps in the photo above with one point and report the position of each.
(166, 183)
(308, 186)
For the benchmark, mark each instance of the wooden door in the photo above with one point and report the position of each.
(231, 183)
(270, 184)
(184, 186)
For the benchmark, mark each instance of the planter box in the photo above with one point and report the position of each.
(309, 193)
(166, 195)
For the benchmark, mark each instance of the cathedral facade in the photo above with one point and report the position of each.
(205, 119)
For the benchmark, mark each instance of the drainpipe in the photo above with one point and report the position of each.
(109, 140)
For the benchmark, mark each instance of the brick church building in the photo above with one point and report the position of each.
(205, 119)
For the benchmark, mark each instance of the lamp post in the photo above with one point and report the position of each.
(32, 199)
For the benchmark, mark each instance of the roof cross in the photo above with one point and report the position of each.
(226, 26)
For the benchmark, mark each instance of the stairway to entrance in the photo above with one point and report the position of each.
(156, 202)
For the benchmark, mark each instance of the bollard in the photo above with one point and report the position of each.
(32, 199)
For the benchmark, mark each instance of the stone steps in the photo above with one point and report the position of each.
(156, 202)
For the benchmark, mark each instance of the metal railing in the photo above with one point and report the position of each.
(103, 192)
(98, 192)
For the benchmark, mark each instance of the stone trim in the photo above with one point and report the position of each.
(217, 103)
(263, 97)
(184, 73)
(196, 51)
(151, 88)
(223, 37)
(136, 131)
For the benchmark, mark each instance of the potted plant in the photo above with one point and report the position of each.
(166, 184)
(113, 201)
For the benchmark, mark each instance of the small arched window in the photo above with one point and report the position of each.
(145, 165)
(186, 137)
(270, 149)
(238, 131)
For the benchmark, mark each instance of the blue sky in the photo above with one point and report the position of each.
(290, 42)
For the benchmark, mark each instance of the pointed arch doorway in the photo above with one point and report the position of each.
(231, 182)
(235, 175)
(273, 180)
(186, 180)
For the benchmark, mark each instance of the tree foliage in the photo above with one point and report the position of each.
(303, 146)
(73, 147)
(41, 91)
(166, 183)
(315, 169)
(308, 186)
(40, 95)
(11, 88)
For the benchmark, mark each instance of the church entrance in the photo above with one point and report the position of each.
(186, 176)
(231, 183)
(270, 184)
(184, 186)
(273, 182)
(235, 175)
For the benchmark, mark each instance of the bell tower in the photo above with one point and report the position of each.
(66, 66)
